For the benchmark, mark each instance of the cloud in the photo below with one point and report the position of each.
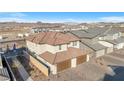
(12, 14)
(17, 14)
(23, 17)
(112, 19)
(10, 19)
(15, 19)
(70, 19)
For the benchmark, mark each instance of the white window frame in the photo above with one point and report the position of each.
(75, 43)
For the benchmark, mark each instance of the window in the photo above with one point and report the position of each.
(74, 43)
(60, 47)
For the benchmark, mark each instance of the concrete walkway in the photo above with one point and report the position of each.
(22, 70)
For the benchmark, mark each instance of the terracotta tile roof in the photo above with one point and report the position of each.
(51, 38)
(62, 56)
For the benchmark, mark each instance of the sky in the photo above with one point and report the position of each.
(55, 17)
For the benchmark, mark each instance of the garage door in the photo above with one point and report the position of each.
(100, 53)
(63, 65)
(81, 59)
(109, 50)
(119, 46)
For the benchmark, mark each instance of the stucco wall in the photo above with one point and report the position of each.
(73, 62)
(88, 58)
(119, 46)
(43, 68)
(36, 48)
(39, 65)
(63, 48)
(71, 44)
(100, 53)
(111, 36)
(53, 68)
(39, 49)
(107, 44)
(109, 50)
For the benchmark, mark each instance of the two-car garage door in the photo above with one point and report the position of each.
(67, 64)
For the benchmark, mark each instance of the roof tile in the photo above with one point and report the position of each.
(52, 38)
(62, 56)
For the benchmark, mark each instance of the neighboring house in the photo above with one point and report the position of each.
(39, 29)
(109, 46)
(119, 29)
(97, 48)
(116, 43)
(112, 38)
(110, 34)
(22, 35)
(46, 29)
(4, 76)
(89, 41)
(9, 43)
(57, 50)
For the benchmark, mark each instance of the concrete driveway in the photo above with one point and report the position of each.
(113, 60)
(88, 71)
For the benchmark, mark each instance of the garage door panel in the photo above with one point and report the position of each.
(109, 50)
(81, 59)
(64, 65)
(100, 53)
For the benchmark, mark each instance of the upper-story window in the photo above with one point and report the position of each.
(60, 47)
(74, 43)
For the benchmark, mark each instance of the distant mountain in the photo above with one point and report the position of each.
(71, 23)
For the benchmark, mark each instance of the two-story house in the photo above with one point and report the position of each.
(89, 41)
(112, 38)
(57, 50)
(39, 29)
(110, 34)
